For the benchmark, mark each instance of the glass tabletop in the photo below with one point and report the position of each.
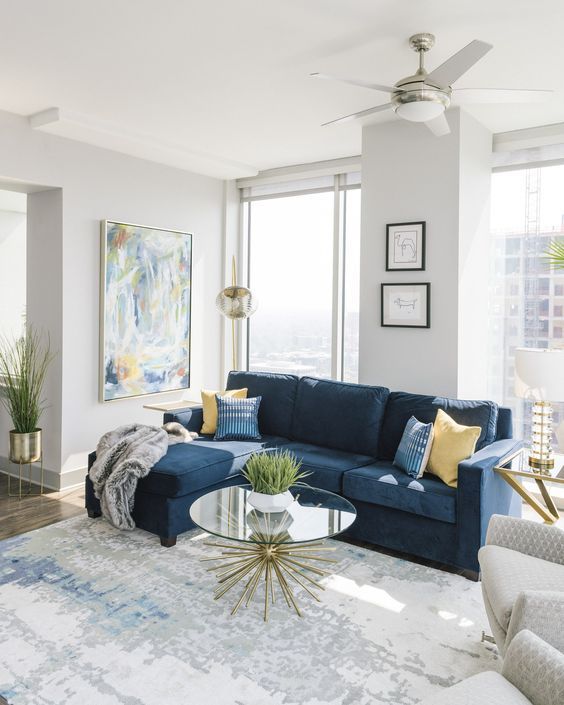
(313, 515)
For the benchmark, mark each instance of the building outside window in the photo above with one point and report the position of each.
(527, 214)
(303, 241)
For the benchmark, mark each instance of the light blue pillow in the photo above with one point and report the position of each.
(414, 449)
(237, 419)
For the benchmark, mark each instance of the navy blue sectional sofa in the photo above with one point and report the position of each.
(346, 435)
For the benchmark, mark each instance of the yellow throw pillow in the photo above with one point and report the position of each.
(210, 407)
(452, 443)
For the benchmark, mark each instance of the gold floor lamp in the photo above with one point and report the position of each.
(236, 303)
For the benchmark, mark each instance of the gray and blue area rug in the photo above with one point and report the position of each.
(93, 616)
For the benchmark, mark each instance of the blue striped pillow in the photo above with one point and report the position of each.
(414, 448)
(237, 419)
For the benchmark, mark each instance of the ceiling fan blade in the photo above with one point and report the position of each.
(361, 114)
(439, 126)
(352, 82)
(453, 68)
(500, 95)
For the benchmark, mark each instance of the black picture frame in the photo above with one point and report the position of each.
(425, 319)
(393, 230)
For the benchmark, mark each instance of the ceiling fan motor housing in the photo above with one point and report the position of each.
(418, 101)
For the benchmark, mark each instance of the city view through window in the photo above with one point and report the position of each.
(527, 296)
(291, 241)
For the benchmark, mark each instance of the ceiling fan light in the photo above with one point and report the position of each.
(420, 110)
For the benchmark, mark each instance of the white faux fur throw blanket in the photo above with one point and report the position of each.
(122, 457)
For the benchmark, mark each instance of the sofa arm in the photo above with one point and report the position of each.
(538, 540)
(541, 612)
(482, 492)
(191, 418)
(487, 458)
(535, 668)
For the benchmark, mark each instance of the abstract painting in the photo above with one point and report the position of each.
(405, 247)
(145, 298)
(406, 305)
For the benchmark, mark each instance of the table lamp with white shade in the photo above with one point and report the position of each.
(539, 377)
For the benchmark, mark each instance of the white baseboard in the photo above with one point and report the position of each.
(51, 479)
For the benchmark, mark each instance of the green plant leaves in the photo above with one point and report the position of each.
(273, 472)
(555, 254)
(23, 367)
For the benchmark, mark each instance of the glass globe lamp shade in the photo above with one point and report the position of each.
(236, 302)
(420, 110)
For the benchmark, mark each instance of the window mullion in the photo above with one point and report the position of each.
(337, 289)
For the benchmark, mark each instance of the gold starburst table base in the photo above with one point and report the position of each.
(279, 567)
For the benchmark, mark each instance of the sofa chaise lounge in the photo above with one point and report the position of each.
(346, 435)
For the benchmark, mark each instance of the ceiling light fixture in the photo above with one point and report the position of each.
(419, 110)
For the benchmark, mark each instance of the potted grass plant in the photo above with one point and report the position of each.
(271, 474)
(23, 367)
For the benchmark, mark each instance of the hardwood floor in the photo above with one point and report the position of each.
(18, 516)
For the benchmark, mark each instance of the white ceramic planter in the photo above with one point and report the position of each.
(270, 502)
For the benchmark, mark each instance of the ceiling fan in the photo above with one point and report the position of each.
(424, 97)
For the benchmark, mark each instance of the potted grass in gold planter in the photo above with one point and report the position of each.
(271, 474)
(23, 367)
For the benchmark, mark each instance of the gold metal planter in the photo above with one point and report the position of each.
(25, 447)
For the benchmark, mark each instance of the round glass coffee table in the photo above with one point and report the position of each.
(284, 550)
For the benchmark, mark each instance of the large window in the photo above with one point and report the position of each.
(304, 250)
(527, 296)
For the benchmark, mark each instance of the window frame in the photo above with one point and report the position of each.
(340, 187)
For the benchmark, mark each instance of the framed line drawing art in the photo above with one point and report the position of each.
(406, 305)
(405, 247)
(145, 310)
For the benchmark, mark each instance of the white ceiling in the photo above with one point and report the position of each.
(228, 80)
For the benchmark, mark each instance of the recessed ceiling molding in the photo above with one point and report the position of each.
(329, 167)
(529, 137)
(108, 135)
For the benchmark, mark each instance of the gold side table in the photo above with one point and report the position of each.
(515, 468)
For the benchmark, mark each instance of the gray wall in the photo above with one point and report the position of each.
(410, 175)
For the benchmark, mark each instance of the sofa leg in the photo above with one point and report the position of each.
(168, 541)
(93, 513)
(472, 575)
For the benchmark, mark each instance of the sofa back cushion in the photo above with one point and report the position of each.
(504, 423)
(402, 405)
(278, 392)
(339, 415)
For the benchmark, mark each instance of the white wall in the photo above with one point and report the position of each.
(473, 256)
(12, 262)
(410, 175)
(97, 184)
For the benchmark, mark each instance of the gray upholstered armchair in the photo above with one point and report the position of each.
(532, 674)
(522, 568)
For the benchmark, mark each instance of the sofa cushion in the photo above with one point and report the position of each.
(384, 484)
(414, 449)
(402, 405)
(187, 467)
(209, 407)
(327, 466)
(237, 419)
(506, 573)
(278, 394)
(452, 443)
(339, 415)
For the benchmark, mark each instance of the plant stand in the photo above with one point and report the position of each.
(21, 479)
